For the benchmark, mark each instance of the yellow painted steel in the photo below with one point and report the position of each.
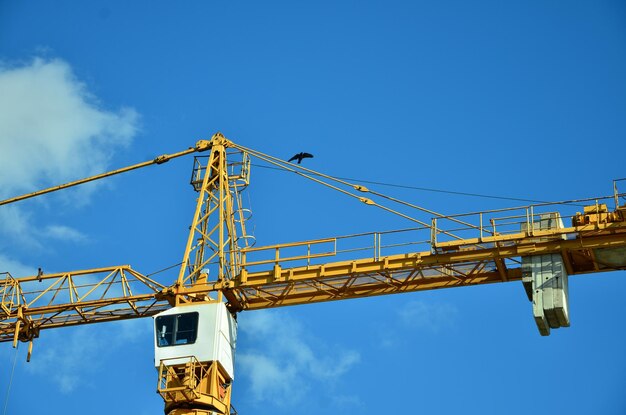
(219, 264)
(215, 235)
(413, 271)
(194, 386)
(46, 301)
(249, 280)
(201, 145)
(73, 298)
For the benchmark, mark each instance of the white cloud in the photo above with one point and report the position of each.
(286, 362)
(344, 401)
(52, 130)
(65, 233)
(271, 380)
(62, 355)
(430, 316)
(16, 227)
(63, 352)
(15, 268)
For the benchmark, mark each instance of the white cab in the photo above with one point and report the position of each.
(206, 331)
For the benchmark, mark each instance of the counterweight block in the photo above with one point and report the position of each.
(547, 276)
(545, 281)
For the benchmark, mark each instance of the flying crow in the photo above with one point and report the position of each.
(300, 156)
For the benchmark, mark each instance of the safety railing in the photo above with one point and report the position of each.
(315, 252)
(475, 230)
(238, 170)
(178, 381)
(500, 225)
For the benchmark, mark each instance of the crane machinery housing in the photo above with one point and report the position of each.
(223, 272)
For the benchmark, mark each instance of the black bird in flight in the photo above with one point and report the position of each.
(300, 156)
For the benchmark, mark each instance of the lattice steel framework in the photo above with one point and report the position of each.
(450, 251)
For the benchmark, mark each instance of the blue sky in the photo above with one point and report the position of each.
(515, 99)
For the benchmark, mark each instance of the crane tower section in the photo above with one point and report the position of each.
(194, 350)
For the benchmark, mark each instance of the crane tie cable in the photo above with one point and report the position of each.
(163, 270)
(201, 145)
(284, 165)
(535, 202)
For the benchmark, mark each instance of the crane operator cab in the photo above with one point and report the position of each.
(194, 347)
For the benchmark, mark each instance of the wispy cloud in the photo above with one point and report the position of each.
(52, 130)
(428, 316)
(15, 226)
(16, 268)
(64, 233)
(347, 401)
(61, 359)
(285, 363)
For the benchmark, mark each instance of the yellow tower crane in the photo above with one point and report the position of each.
(223, 273)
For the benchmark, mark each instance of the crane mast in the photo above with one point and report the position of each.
(202, 385)
(221, 269)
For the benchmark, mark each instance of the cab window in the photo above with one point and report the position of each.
(176, 329)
